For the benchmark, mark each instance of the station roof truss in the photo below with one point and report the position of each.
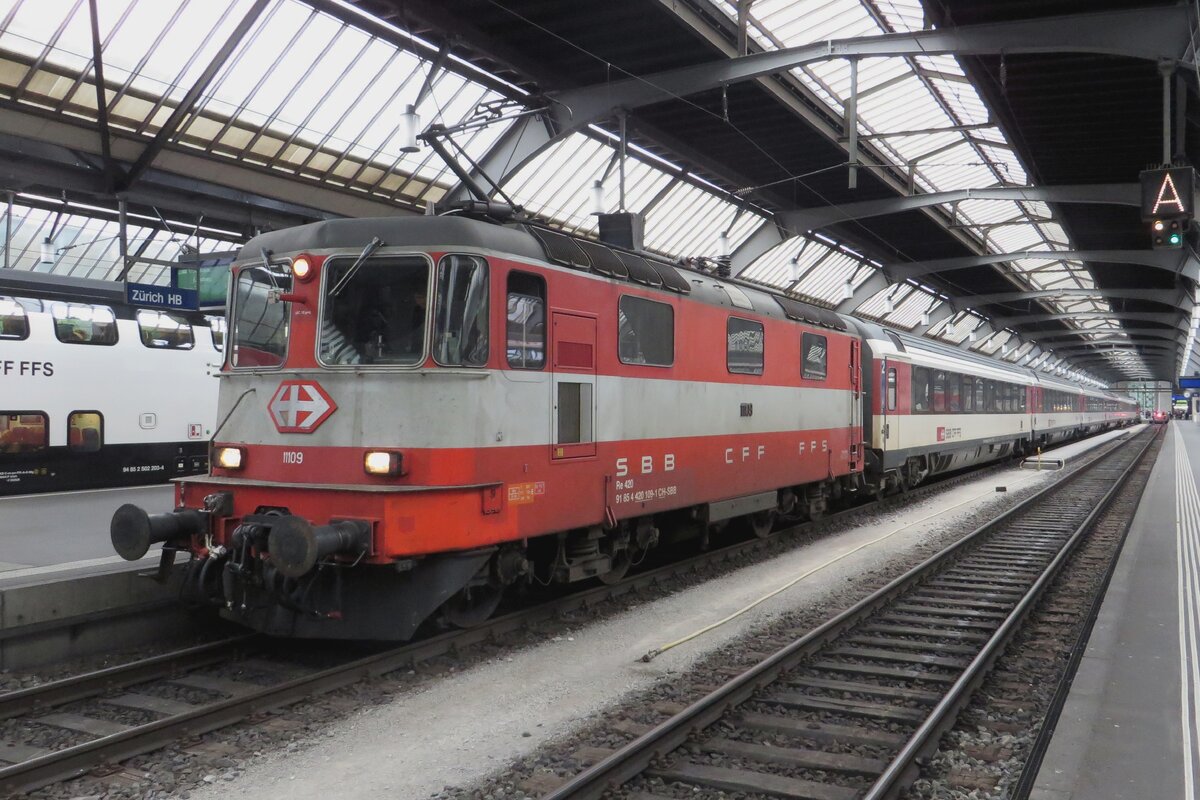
(993, 208)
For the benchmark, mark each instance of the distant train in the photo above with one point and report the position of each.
(95, 393)
(421, 412)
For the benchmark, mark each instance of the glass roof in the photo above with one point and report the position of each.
(85, 246)
(902, 95)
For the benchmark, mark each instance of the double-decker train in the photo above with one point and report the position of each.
(416, 413)
(97, 393)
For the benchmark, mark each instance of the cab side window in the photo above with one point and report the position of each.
(814, 361)
(744, 346)
(526, 326)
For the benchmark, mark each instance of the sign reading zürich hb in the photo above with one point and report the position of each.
(1168, 192)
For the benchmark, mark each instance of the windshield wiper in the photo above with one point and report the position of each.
(371, 247)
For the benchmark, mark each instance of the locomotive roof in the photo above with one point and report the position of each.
(542, 244)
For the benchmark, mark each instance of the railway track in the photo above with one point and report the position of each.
(146, 695)
(852, 707)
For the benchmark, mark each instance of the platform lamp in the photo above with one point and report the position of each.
(848, 286)
(597, 198)
(410, 124)
(971, 335)
(47, 253)
(724, 255)
(794, 269)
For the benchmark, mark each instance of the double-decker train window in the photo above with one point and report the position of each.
(645, 332)
(526, 327)
(460, 325)
(80, 323)
(23, 432)
(14, 324)
(374, 311)
(85, 431)
(261, 320)
(744, 346)
(164, 330)
(814, 360)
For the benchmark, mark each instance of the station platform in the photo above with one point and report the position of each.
(1131, 724)
(43, 534)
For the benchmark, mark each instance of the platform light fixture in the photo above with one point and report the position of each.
(971, 335)
(410, 123)
(847, 290)
(723, 248)
(794, 269)
(925, 318)
(47, 251)
(597, 198)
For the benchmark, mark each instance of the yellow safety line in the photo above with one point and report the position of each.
(652, 654)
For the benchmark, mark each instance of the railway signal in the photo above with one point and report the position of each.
(1168, 203)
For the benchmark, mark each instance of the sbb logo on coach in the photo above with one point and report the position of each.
(30, 368)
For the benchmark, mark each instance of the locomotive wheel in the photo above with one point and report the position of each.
(472, 605)
(761, 523)
(621, 565)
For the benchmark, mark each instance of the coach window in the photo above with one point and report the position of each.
(744, 346)
(163, 330)
(79, 323)
(526, 331)
(460, 334)
(954, 392)
(216, 328)
(645, 332)
(13, 322)
(939, 392)
(814, 361)
(979, 404)
(921, 390)
(968, 394)
(23, 432)
(85, 431)
(891, 389)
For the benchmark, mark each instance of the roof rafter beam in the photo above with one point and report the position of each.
(923, 131)
(188, 103)
(1171, 297)
(1153, 34)
(1181, 263)
(805, 219)
(1146, 316)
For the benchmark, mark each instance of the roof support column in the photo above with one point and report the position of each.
(851, 122)
(8, 228)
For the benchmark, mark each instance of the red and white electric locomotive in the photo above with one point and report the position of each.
(417, 412)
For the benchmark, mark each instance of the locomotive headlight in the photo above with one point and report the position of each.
(382, 462)
(230, 457)
(302, 269)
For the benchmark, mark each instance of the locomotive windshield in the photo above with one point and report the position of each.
(374, 311)
(260, 325)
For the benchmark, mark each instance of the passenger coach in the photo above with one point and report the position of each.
(96, 393)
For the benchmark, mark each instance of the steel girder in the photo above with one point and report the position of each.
(1152, 34)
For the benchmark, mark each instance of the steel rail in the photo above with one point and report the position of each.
(73, 761)
(55, 693)
(635, 757)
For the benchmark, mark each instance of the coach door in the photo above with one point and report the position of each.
(574, 386)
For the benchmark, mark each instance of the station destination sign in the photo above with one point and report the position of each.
(144, 294)
(1168, 193)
